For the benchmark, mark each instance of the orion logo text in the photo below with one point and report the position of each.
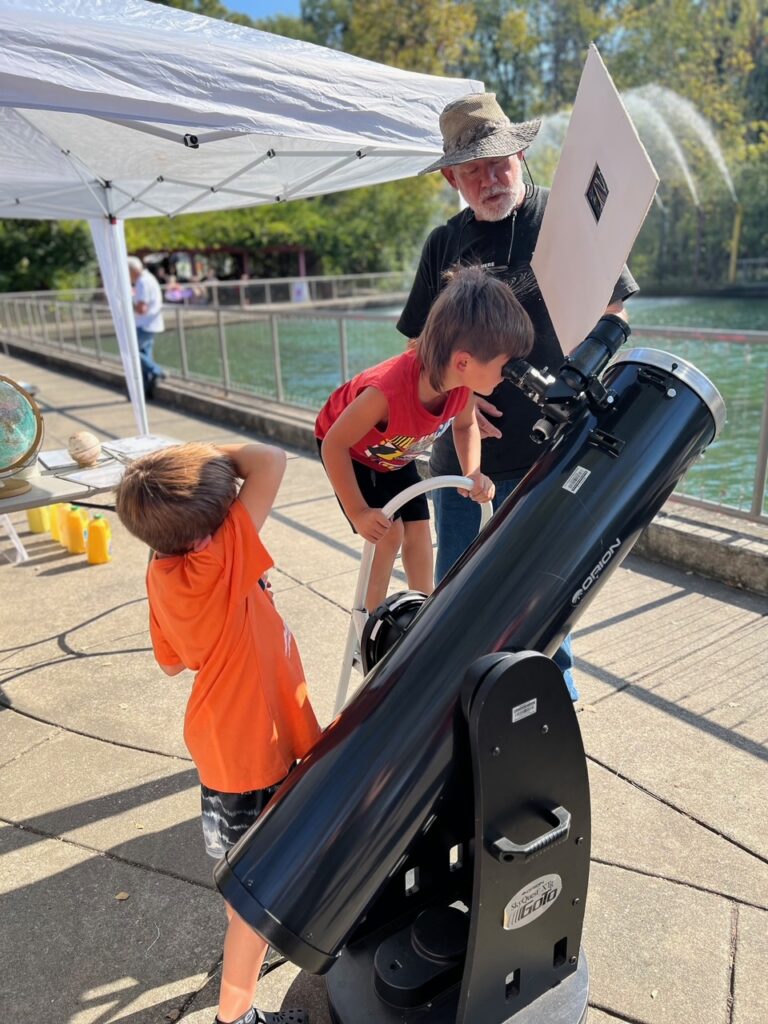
(596, 572)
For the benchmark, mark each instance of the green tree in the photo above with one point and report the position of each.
(362, 230)
(38, 255)
(329, 21)
(712, 52)
(427, 35)
(563, 30)
(282, 25)
(504, 56)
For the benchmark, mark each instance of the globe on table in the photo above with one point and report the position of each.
(21, 435)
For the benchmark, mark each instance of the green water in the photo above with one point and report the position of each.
(310, 370)
(739, 371)
(724, 314)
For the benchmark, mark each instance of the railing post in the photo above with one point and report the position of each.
(343, 350)
(43, 320)
(17, 318)
(59, 326)
(33, 320)
(267, 293)
(76, 324)
(96, 337)
(276, 358)
(182, 344)
(40, 322)
(758, 495)
(223, 349)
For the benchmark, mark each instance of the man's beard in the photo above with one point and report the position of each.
(496, 206)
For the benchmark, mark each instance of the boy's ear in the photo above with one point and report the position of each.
(460, 360)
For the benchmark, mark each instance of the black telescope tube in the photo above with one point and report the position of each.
(305, 874)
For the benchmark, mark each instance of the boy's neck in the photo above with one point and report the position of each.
(428, 394)
(199, 545)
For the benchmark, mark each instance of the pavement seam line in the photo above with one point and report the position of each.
(192, 996)
(678, 881)
(30, 748)
(90, 736)
(108, 855)
(732, 964)
(679, 810)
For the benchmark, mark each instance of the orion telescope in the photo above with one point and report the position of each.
(432, 851)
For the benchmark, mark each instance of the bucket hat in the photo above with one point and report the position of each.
(475, 127)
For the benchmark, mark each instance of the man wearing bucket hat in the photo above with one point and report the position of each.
(483, 156)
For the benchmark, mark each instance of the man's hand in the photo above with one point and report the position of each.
(371, 524)
(483, 409)
(483, 490)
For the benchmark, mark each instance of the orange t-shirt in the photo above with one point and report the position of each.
(248, 716)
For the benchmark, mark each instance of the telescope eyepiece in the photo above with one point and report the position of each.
(527, 378)
(595, 352)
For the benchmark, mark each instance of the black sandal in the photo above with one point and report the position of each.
(282, 1017)
(257, 1016)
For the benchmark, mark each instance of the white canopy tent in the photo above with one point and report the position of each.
(112, 109)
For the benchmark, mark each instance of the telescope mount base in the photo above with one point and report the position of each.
(502, 945)
(352, 999)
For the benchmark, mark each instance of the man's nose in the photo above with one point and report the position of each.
(494, 175)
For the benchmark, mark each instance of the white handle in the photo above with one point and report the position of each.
(359, 611)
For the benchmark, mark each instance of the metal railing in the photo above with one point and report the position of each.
(297, 354)
(247, 292)
(752, 270)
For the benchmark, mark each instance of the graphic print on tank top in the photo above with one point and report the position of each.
(397, 451)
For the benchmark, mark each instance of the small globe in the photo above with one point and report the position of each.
(21, 435)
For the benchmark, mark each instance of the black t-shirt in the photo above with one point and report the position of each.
(505, 246)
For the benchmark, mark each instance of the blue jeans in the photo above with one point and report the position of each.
(149, 368)
(457, 521)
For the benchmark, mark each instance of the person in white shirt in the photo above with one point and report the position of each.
(148, 312)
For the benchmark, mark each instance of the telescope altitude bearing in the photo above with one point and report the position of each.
(387, 624)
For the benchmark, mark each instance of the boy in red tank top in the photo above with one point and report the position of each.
(372, 428)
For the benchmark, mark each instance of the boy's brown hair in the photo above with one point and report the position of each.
(175, 497)
(476, 313)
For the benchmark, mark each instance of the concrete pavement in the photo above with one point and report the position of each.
(107, 907)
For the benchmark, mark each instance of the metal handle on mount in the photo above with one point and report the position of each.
(505, 850)
(359, 611)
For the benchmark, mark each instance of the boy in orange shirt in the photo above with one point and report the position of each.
(248, 717)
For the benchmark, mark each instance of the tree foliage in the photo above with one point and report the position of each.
(530, 53)
(40, 255)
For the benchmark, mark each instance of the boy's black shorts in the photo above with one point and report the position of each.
(379, 488)
(228, 816)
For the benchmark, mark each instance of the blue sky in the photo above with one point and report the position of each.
(264, 8)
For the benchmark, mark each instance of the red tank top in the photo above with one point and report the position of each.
(410, 428)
